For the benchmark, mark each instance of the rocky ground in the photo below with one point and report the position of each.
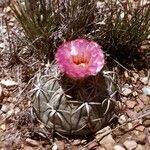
(20, 131)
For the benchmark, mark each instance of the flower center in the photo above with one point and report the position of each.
(79, 60)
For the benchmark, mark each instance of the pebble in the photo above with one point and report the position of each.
(132, 114)
(139, 147)
(76, 142)
(145, 99)
(146, 123)
(11, 24)
(99, 5)
(135, 93)
(137, 108)
(100, 148)
(5, 108)
(126, 91)
(146, 90)
(2, 45)
(60, 145)
(3, 127)
(92, 145)
(131, 104)
(130, 144)
(28, 148)
(118, 147)
(101, 133)
(126, 74)
(10, 112)
(141, 104)
(144, 80)
(135, 77)
(130, 126)
(17, 110)
(83, 141)
(31, 142)
(1, 94)
(54, 147)
(8, 83)
(122, 119)
(7, 9)
(107, 142)
(140, 128)
(12, 19)
(141, 137)
(148, 139)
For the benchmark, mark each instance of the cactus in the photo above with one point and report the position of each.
(75, 96)
(74, 107)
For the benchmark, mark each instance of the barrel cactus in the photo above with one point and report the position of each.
(74, 95)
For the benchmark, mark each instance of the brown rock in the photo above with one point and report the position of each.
(1, 94)
(31, 142)
(144, 98)
(148, 139)
(140, 128)
(60, 145)
(146, 123)
(137, 108)
(141, 138)
(101, 133)
(28, 148)
(140, 147)
(131, 104)
(92, 145)
(107, 142)
(141, 104)
(144, 80)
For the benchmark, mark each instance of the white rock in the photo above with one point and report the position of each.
(130, 126)
(146, 90)
(135, 93)
(122, 119)
(5, 108)
(3, 127)
(8, 83)
(11, 24)
(126, 74)
(135, 77)
(54, 147)
(2, 45)
(100, 5)
(10, 112)
(144, 80)
(126, 90)
(118, 147)
(17, 110)
(130, 144)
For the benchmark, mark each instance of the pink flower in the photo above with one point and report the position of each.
(80, 58)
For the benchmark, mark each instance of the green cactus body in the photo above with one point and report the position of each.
(74, 107)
